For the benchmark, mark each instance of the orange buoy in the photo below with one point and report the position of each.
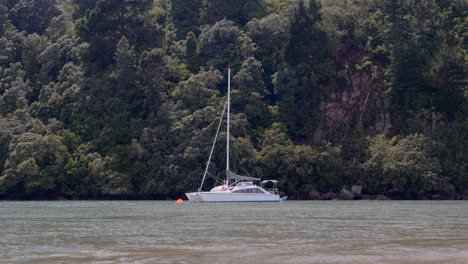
(179, 201)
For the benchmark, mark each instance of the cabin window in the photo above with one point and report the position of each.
(249, 190)
(254, 190)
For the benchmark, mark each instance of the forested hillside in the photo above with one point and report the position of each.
(121, 98)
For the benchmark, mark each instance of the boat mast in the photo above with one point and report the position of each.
(228, 117)
(212, 148)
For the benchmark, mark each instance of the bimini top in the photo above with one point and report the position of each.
(272, 181)
(232, 176)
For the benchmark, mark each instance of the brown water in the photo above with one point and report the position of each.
(286, 232)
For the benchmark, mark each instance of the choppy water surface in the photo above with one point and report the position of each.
(286, 232)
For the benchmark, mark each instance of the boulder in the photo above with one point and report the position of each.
(364, 197)
(313, 195)
(423, 197)
(464, 194)
(443, 196)
(357, 190)
(378, 197)
(346, 195)
(329, 196)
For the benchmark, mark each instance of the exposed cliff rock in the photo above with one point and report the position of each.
(360, 102)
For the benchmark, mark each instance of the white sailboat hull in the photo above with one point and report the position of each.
(231, 197)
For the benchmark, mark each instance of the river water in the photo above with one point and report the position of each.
(287, 232)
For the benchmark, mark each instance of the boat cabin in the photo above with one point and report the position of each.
(270, 186)
(247, 187)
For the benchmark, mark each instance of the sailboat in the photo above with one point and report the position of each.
(235, 188)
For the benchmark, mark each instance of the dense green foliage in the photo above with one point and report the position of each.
(108, 98)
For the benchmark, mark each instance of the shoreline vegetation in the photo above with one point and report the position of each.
(106, 99)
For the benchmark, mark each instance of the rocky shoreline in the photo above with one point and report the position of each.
(356, 193)
(346, 194)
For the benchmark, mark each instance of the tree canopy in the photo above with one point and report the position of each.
(121, 99)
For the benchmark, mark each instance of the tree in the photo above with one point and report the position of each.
(125, 72)
(299, 168)
(3, 16)
(218, 45)
(34, 164)
(271, 34)
(7, 51)
(186, 16)
(285, 85)
(191, 52)
(83, 7)
(152, 75)
(413, 38)
(407, 167)
(33, 16)
(239, 11)
(308, 42)
(109, 20)
(15, 97)
(309, 55)
(59, 99)
(250, 94)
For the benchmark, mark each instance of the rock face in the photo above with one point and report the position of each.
(360, 101)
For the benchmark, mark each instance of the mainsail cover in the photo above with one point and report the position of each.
(232, 176)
